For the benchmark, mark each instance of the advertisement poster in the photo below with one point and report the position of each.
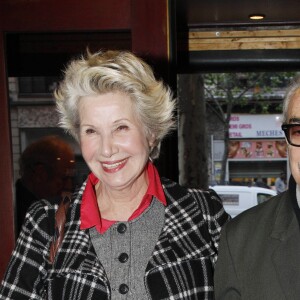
(258, 149)
(243, 126)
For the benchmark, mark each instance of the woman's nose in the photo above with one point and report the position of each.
(107, 147)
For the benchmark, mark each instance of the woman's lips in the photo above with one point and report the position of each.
(112, 167)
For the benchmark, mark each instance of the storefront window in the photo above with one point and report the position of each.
(32, 86)
(244, 114)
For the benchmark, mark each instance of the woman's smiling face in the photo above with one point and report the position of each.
(113, 142)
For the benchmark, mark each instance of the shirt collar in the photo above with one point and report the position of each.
(89, 211)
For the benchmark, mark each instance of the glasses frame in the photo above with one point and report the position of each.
(286, 129)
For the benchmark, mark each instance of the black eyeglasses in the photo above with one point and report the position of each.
(292, 133)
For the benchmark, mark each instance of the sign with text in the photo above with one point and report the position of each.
(255, 126)
(258, 149)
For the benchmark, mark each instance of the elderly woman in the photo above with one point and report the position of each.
(129, 234)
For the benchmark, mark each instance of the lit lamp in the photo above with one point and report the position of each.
(256, 17)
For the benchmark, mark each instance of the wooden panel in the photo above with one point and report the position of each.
(245, 45)
(51, 15)
(6, 177)
(244, 33)
(150, 31)
(243, 40)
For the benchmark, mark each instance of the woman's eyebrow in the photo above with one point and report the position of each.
(121, 120)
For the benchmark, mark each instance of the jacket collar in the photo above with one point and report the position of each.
(182, 212)
(285, 224)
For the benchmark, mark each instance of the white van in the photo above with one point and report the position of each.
(239, 198)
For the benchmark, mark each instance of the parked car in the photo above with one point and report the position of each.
(236, 199)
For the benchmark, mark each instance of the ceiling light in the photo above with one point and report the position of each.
(257, 16)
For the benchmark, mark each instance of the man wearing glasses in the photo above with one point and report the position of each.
(259, 253)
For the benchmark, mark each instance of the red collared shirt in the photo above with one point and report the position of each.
(89, 212)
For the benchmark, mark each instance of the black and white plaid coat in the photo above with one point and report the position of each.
(181, 266)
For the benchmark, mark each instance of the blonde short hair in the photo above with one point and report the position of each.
(117, 71)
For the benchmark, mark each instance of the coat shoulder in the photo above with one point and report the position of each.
(258, 222)
(208, 200)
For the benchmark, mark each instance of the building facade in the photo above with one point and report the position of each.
(257, 150)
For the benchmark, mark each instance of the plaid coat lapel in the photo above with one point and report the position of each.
(78, 241)
(182, 263)
(179, 239)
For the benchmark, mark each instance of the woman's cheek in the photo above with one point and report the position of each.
(87, 149)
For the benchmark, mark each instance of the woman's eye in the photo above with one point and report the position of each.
(89, 131)
(122, 127)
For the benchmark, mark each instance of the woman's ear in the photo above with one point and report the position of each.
(151, 140)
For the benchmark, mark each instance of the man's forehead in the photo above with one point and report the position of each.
(297, 93)
(294, 107)
(296, 97)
